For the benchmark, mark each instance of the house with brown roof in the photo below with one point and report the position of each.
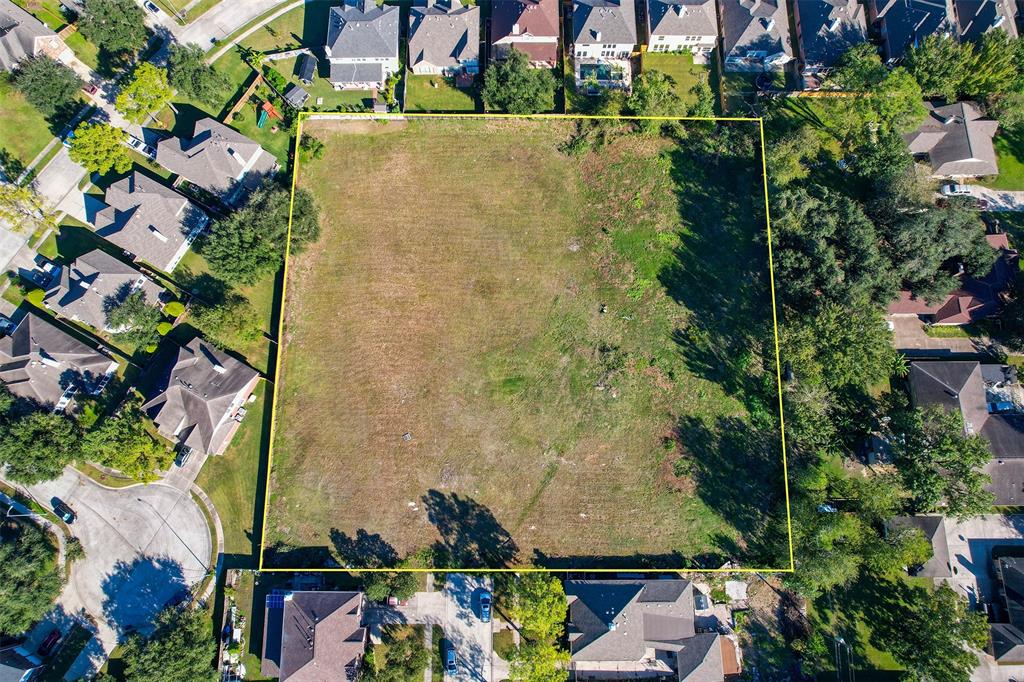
(621, 629)
(43, 363)
(974, 299)
(529, 26)
(150, 221)
(198, 399)
(978, 393)
(23, 36)
(87, 288)
(956, 139)
(313, 636)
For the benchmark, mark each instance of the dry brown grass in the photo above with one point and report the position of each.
(456, 295)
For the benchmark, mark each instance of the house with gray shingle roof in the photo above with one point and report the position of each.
(975, 18)
(43, 363)
(676, 25)
(529, 26)
(638, 628)
(313, 635)
(362, 44)
(957, 140)
(23, 36)
(219, 159)
(603, 36)
(755, 35)
(198, 397)
(444, 37)
(149, 220)
(904, 23)
(824, 31)
(86, 289)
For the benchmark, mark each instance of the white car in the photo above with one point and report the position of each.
(955, 190)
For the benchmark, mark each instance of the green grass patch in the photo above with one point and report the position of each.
(436, 93)
(84, 50)
(1009, 147)
(50, 12)
(103, 478)
(949, 331)
(680, 67)
(504, 644)
(24, 132)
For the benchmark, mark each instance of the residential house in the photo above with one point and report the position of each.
(824, 31)
(444, 38)
(639, 628)
(957, 141)
(150, 221)
(933, 527)
(678, 25)
(86, 289)
(313, 635)
(975, 18)
(43, 363)
(755, 35)
(1007, 636)
(984, 395)
(603, 36)
(199, 397)
(975, 299)
(218, 159)
(16, 665)
(362, 44)
(529, 26)
(905, 23)
(23, 36)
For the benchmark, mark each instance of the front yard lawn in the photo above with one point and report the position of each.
(24, 132)
(436, 93)
(681, 68)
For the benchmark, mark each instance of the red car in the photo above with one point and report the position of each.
(49, 644)
(90, 88)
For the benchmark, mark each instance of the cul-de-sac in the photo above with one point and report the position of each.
(511, 340)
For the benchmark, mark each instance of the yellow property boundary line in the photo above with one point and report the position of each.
(303, 115)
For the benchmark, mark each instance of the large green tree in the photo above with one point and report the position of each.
(941, 466)
(47, 84)
(653, 94)
(134, 319)
(232, 320)
(100, 147)
(538, 662)
(24, 209)
(114, 25)
(29, 578)
(512, 86)
(146, 91)
(536, 601)
(940, 64)
(180, 649)
(190, 74)
(249, 244)
(37, 446)
(122, 442)
(401, 657)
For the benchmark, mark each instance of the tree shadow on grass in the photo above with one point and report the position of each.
(470, 535)
(364, 550)
(285, 556)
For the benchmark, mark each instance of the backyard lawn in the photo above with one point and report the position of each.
(576, 320)
(436, 93)
(681, 68)
(24, 132)
(1010, 157)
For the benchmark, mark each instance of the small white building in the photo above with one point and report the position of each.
(682, 25)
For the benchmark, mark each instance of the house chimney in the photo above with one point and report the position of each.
(679, 10)
(158, 234)
(597, 35)
(515, 29)
(217, 367)
(236, 156)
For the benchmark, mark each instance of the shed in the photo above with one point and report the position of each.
(307, 68)
(295, 96)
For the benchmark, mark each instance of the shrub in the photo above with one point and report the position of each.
(174, 309)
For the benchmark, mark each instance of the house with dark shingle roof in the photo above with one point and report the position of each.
(18, 665)
(824, 31)
(933, 527)
(755, 34)
(1007, 638)
(905, 23)
(362, 44)
(43, 363)
(221, 160)
(974, 299)
(312, 636)
(965, 386)
(23, 36)
(603, 36)
(638, 628)
(198, 396)
(975, 18)
(957, 141)
(444, 37)
(529, 26)
(677, 25)
(152, 222)
(86, 289)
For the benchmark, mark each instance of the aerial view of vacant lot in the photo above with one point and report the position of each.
(534, 341)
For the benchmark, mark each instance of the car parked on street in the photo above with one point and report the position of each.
(49, 645)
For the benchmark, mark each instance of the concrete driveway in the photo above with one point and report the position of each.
(455, 610)
(970, 547)
(909, 337)
(143, 545)
(998, 199)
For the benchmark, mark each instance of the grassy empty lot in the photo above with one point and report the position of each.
(525, 356)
